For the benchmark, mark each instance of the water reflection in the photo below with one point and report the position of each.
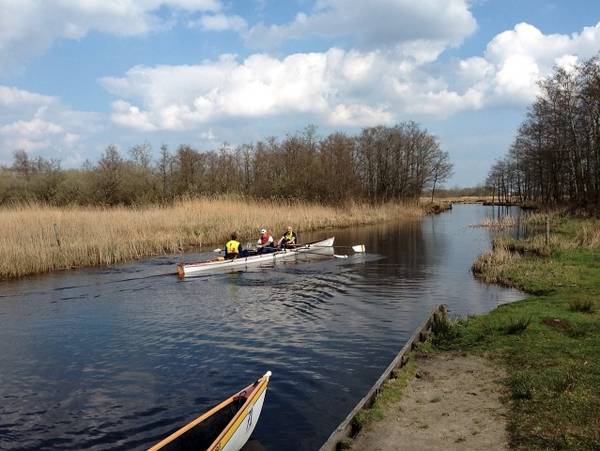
(116, 358)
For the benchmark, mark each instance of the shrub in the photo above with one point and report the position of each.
(443, 329)
(581, 305)
(563, 382)
(516, 325)
(521, 386)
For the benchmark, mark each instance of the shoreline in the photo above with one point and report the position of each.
(41, 239)
(546, 346)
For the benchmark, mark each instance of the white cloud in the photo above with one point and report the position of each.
(336, 87)
(178, 97)
(444, 103)
(343, 88)
(360, 115)
(524, 55)
(377, 23)
(35, 128)
(35, 122)
(220, 22)
(28, 27)
(14, 97)
(390, 78)
(517, 75)
(130, 116)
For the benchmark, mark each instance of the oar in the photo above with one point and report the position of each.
(358, 248)
(303, 252)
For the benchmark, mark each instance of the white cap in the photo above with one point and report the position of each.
(263, 230)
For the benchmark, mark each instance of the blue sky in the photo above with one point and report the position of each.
(77, 76)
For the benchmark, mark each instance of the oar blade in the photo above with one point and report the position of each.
(359, 248)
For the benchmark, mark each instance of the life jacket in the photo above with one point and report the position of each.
(288, 236)
(232, 247)
(264, 239)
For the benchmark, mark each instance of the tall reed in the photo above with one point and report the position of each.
(502, 222)
(39, 238)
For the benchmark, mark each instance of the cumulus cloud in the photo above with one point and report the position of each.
(359, 115)
(220, 22)
(343, 87)
(337, 87)
(11, 97)
(522, 56)
(35, 122)
(181, 97)
(28, 27)
(376, 24)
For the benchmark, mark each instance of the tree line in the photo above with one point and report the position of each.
(555, 156)
(378, 164)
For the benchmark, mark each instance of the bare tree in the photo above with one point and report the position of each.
(441, 170)
(109, 176)
(555, 156)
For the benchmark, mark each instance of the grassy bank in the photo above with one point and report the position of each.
(549, 342)
(38, 239)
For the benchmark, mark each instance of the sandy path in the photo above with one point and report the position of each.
(452, 404)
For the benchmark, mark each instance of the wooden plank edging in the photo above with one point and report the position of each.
(345, 429)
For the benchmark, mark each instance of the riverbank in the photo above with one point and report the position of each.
(458, 199)
(38, 239)
(548, 344)
(441, 401)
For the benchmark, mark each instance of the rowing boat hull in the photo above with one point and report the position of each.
(324, 247)
(245, 427)
(234, 434)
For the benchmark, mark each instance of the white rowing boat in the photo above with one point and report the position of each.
(225, 427)
(324, 247)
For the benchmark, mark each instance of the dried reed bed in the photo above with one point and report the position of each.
(39, 238)
(502, 222)
(589, 235)
(489, 266)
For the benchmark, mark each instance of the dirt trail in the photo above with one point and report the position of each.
(452, 404)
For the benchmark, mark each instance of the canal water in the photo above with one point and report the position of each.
(118, 358)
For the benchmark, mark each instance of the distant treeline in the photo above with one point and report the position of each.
(480, 191)
(379, 164)
(555, 157)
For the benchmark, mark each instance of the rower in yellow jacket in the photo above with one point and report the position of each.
(233, 247)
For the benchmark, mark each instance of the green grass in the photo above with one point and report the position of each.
(550, 345)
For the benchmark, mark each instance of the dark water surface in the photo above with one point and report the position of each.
(117, 358)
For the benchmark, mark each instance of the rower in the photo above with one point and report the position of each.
(289, 238)
(233, 248)
(265, 242)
